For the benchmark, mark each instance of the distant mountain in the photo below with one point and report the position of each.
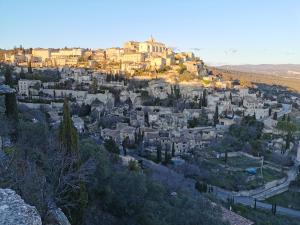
(289, 70)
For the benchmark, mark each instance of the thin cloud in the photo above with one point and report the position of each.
(231, 51)
(196, 49)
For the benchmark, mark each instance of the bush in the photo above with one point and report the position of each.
(201, 186)
(133, 165)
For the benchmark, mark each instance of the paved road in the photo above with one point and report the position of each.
(249, 201)
(291, 176)
(178, 181)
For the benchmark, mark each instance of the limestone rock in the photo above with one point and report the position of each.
(14, 211)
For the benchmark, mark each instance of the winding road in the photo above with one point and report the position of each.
(168, 176)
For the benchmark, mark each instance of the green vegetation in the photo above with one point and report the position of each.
(246, 136)
(288, 128)
(10, 99)
(241, 162)
(231, 175)
(67, 131)
(87, 182)
(261, 217)
(288, 199)
(182, 68)
(111, 146)
(202, 120)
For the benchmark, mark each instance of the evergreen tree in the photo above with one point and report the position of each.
(204, 98)
(275, 116)
(22, 74)
(94, 86)
(288, 140)
(11, 109)
(167, 158)
(69, 144)
(67, 131)
(176, 91)
(173, 149)
(216, 116)
(158, 153)
(200, 102)
(226, 156)
(8, 76)
(29, 67)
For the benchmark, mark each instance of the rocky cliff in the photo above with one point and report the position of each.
(14, 211)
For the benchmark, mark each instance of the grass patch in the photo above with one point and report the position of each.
(9, 150)
(287, 199)
(236, 180)
(262, 217)
(242, 162)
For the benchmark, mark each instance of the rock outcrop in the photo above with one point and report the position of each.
(14, 211)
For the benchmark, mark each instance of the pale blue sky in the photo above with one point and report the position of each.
(219, 31)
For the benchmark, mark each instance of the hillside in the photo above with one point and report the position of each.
(272, 69)
(283, 75)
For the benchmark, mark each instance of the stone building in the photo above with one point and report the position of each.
(151, 46)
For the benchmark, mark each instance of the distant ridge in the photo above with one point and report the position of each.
(273, 69)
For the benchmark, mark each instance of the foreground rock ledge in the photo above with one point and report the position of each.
(14, 211)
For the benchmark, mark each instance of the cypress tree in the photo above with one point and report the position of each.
(11, 110)
(8, 76)
(275, 116)
(22, 74)
(166, 156)
(204, 98)
(29, 67)
(67, 131)
(173, 149)
(216, 116)
(158, 153)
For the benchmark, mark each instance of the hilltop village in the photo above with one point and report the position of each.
(150, 104)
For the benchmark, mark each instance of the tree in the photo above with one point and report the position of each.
(173, 149)
(8, 76)
(22, 74)
(111, 146)
(94, 87)
(167, 157)
(176, 90)
(204, 98)
(11, 109)
(84, 110)
(201, 186)
(200, 102)
(133, 165)
(29, 67)
(216, 116)
(226, 156)
(288, 130)
(67, 132)
(158, 153)
(275, 116)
